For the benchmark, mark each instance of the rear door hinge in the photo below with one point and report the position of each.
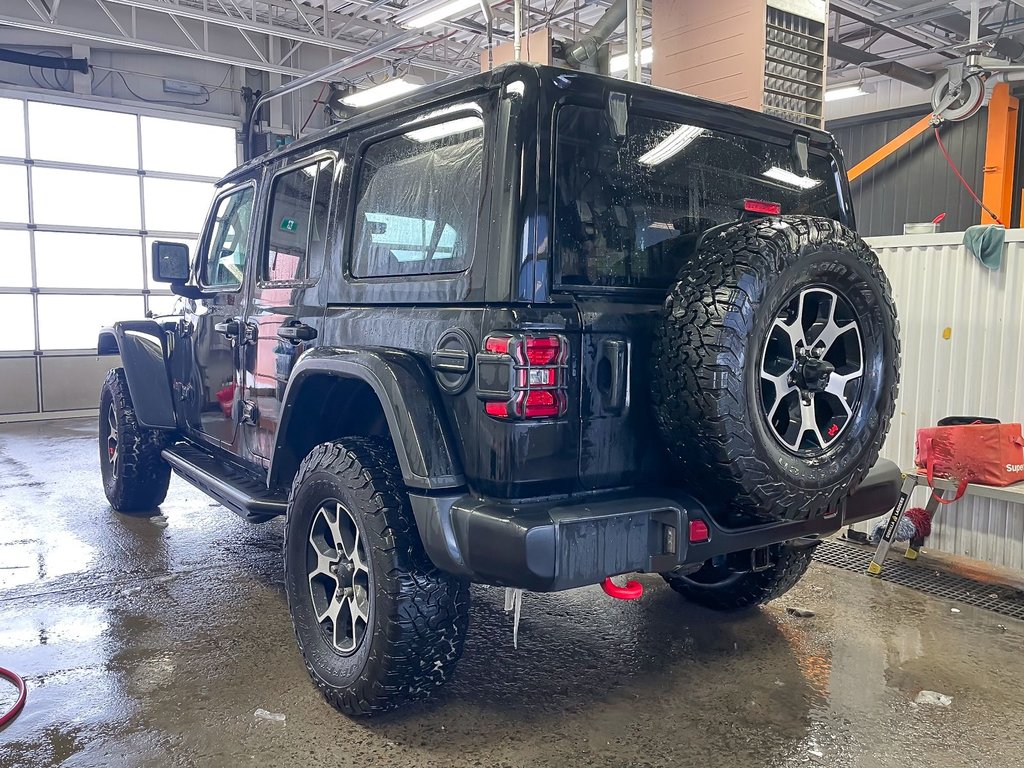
(250, 413)
(184, 392)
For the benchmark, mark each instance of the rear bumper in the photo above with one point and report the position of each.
(547, 547)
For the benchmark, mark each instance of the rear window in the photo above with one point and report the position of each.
(629, 212)
(419, 199)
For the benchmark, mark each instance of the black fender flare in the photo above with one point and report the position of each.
(143, 349)
(418, 425)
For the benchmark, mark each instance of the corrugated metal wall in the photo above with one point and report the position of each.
(915, 183)
(978, 371)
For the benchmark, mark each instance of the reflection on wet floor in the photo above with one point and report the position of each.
(153, 646)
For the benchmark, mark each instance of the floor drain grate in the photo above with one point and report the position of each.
(993, 597)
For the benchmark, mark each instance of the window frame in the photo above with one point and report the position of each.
(314, 158)
(204, 241)
(485, 113)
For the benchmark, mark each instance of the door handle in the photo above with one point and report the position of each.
(229, 328)
(296, 332)
(612, 380)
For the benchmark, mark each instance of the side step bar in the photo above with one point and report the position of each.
(240, 493)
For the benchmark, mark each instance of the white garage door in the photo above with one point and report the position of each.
(83, 192)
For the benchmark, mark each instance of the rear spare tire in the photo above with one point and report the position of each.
(776, 368)
(715, 586)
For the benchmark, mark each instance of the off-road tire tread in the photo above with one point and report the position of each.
(753, 588)
(144, 475)
(424, 636)
(699, 354)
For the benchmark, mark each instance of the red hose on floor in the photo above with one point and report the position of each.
(12, 713)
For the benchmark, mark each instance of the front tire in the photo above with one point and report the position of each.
(135, 476)
(715, 587)
(376, 622)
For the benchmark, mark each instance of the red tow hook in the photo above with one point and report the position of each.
(631, 591)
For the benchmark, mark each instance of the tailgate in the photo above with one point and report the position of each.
(619, 444)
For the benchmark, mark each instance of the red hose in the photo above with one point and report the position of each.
(12, 713)
(963, 181)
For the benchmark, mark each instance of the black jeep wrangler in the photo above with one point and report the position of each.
(533, 328)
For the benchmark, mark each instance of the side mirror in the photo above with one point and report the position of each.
(170, 262)
(171, 265)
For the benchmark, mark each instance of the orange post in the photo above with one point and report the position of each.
(888, 148)
(1000, 154)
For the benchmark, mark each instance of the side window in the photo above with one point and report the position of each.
(228, 244)
(297, 224)
(418, 199)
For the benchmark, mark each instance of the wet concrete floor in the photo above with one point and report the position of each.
(146, 645)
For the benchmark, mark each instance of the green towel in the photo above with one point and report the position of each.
(985, 241)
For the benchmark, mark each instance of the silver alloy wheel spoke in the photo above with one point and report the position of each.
(783, 386)
(793, 330)
(832, 330)
(837, 387)
(809, 423)
(332, 612)
(323, 566)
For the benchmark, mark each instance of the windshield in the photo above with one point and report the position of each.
(629, 212)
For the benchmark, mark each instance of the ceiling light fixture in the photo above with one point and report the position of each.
(846, 92)
(390, 90)
(425, 14)
(620, 63)
(790, 178)
(440, 130)
(671, 145)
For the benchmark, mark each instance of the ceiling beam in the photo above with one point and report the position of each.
(893, 69)
(146, 45)
(859, 13)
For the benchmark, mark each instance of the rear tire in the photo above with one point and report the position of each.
(135, 476)
(776, 368)
(377, 623)
(714, 587)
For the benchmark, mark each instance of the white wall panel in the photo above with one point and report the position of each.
(977, 371)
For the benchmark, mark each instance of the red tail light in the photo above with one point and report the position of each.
(762, 206)
(523, 375)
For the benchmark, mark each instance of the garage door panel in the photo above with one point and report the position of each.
(73, 383)
(19, 393)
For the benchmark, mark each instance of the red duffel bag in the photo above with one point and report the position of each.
(987, 454)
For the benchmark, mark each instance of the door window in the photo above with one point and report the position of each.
(418, 200)
(228, 244)
(297, 225)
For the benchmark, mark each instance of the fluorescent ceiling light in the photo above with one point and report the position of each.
(672, 145)
(436, 13)
(846, 92)
(460, 124)
(790, 178)
(440, 130)
(620, 63)
(389, 90)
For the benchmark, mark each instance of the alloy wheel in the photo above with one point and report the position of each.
(339, 576)
(113, 447)
(811, 370)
